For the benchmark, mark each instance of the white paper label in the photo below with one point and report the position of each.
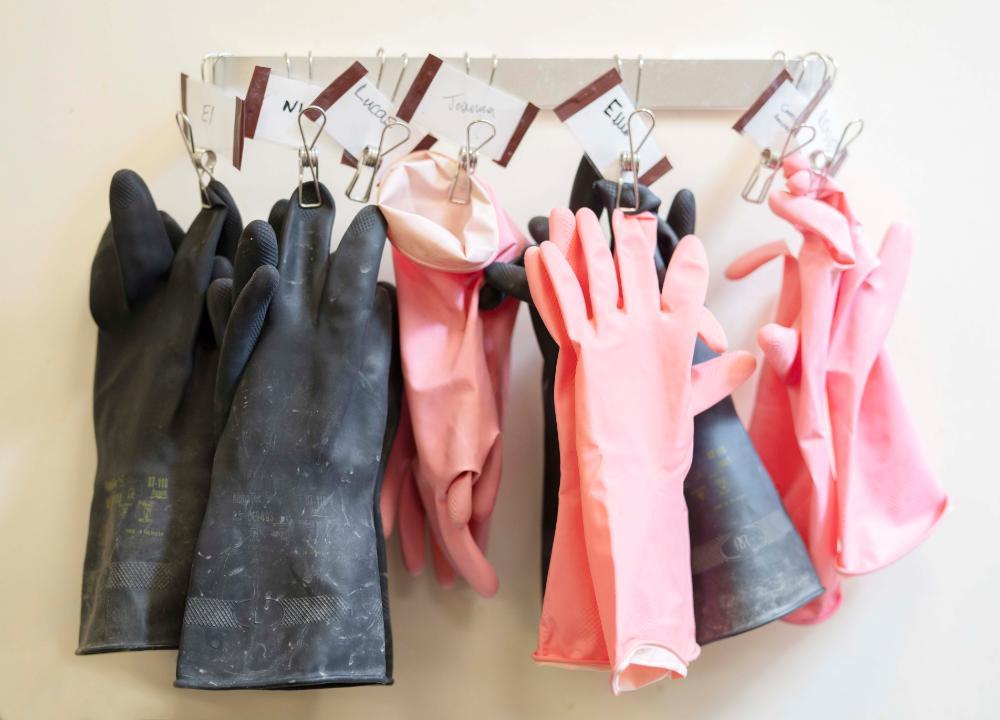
(272, 112)
(214, 117)
(445, 100)
(598, 116)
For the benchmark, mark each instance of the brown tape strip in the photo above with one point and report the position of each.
(238, 134)
(527, 117)
(587, 94)
(654, 173)
(418, 89)
(746, 117)
(254, 100)
(335, 90)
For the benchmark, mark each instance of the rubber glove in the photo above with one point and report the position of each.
(289, 588)
(888, 498)
(455, 359)
(156, 362)
(635, 427)
(797, 353)
(749, 566)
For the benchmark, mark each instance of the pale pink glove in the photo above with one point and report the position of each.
(569, 630)
(888, 498)
(455, 361)
(797, 354)
(635, 395)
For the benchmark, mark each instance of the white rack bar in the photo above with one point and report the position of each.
(666, 84)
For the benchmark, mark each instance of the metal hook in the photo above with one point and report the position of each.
(211, 59)
(288, 65)
(468, 63)
(399, 81)
(371, 157)
(629, 159)
(773, 163)
(202, 160)
(308, 156)
(638, 77)
(380, 57)
(827, 166)
(309, 57)
(468, 159)
(493, 68)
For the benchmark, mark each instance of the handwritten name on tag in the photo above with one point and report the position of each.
(446, 100)
(216, 118)
(272, 106)
(598, 115)
(356, 114)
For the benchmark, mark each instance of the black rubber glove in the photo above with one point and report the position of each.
(288, 588)
(156, 364)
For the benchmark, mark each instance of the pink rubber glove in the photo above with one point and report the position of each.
(797, 355)
(569, 630)
(634, 430)
(455, 361)
(888, 499)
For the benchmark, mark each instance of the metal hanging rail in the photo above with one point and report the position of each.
(666, 84)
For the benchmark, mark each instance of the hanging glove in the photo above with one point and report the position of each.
(888, 498)
(749, 565)
(797, 353)
(288, 588)
(634, 429)
(455, 359)
(156, 363)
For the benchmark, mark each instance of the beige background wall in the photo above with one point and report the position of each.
(93, 86)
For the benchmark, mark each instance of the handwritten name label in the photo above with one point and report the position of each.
(445, 100)
(215, 117)
(275, 102)
(598, 115)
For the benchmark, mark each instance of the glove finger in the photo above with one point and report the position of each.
(755, 258)
(682, 213)
(175, 233)
(107, 294)
(304, 242)
(246, 321)
(598, 265)
(564, 289)
(635, 240)
(218, 194)
(686, 284)
(816, 218)
(508, 279)
(141, 242)
(716, 379)
(276, 218)
(583, 194)
(397, 471)
(353, 270)
(221, 268)
(444, 573)
(412, 526)
(561, 229)
(543, 298)
(780, 345)
(538, 228)
(258, 246)
(219, 300)
(458, 542)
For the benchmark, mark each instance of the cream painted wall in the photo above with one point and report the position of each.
(93, 88)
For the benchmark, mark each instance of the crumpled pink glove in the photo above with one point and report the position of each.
(635, 395)
(888, 498)
(455, 360)
(797, 354)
